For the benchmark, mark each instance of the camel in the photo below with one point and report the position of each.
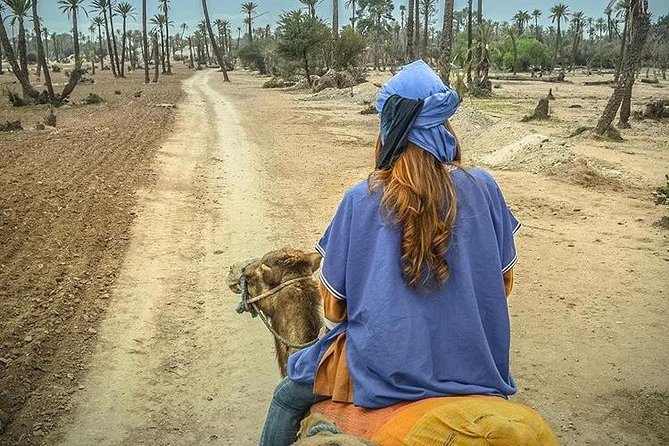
(289, 297)
(294, 311)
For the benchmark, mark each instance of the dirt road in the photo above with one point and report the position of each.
(176, 364)
(247, 170)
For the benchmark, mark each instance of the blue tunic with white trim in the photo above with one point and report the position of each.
(407, 344)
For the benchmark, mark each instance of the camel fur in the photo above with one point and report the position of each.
(295, 311)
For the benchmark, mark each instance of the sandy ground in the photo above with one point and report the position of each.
(245, 170)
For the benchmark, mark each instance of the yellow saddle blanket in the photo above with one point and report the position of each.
(448, 421)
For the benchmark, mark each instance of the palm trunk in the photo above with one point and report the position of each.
(167, 43)
(113, 36)
(426, 17)
(335, 18)
(156, 59)
(41, 58)
(162, 50)
(145, 44)
(123, 49)
(217, 50)
(469, 42)
(21, 76)
(75, 32)
(640, 24)
(416, 24)
(447, 41)
(250, 30)
(479, 58)
(102, 54)
(190, 47)
(109, 44)
(623, 46)
(353, 16)
(558, 42)
(2, 71)
(410, 33)
(21, 46)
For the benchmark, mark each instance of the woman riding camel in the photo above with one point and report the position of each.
(417, 265)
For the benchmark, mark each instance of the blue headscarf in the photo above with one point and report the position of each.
(418, 81)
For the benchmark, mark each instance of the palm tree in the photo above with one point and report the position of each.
(41, 58)
(521, 18)
(248, 8)
(311, 6)
(335, 18)
(639, 26)
(536, 14)
(410, 32)
(158, 21)
(164, 7)
(428, 10)
(600, 26)
(99, 22)
(214, 45)
(125, 10)
(110, 4)
(351, 4)
(577, 20)
(19, 12)
(447, 41)
(101, 7)
(21, 75)
(511, 35)
(71, 7)
(469, 42)
(183, 27)
(145, 43)
(483, 38)
(559, 13)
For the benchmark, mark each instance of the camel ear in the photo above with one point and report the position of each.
(266, 272)
(315, 261)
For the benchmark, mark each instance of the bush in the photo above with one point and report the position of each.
(252, 56)
(14, 98)
(55, 68)
(32, 58)
(348, 48)
(93, 99)
(529, 53)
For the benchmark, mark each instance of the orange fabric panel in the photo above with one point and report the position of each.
(354, 420)
(508, 282)
(334, 309)
(332, 377)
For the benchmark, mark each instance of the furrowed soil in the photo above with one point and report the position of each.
(117, 229)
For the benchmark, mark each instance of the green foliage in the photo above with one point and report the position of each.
(93, 99)
(301, 37)
(529, 53)
(348, 48)
(252, 56)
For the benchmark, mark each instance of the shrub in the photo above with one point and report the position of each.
(252, 55)
(93, 99)
(348, 48)
(55, 68)
(14, 98)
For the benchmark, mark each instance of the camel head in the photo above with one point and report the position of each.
(272, 269)
(294, 310)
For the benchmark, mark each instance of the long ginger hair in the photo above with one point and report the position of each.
(420, 195)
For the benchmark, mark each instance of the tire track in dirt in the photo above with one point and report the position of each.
(176, 364)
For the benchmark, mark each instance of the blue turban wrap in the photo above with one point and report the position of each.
(417, 82)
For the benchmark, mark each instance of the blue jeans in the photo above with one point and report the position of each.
(290, 403)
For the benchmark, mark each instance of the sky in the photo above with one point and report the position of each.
(190, 11)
